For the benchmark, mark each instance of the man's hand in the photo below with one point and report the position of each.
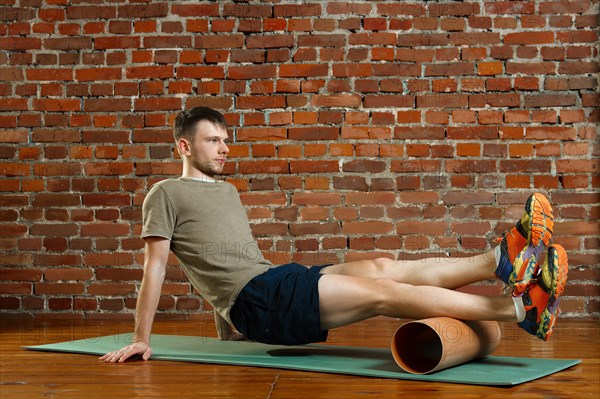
(225, 331)
(138, 348)
(233, 336)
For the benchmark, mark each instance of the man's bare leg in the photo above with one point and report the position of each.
(449, 273)
(348, 299)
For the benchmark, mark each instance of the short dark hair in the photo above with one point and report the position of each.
(186, 121)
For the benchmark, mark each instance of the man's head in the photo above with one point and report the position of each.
(201, 137)
(186, 121)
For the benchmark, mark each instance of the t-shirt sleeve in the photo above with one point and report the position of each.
(158, 214)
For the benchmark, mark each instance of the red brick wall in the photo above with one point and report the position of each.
(363, 129)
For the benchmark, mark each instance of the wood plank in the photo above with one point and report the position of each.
(25, 374)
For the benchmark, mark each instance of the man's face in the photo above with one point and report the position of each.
(208, 150)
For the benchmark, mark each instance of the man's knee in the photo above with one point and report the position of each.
(385, 295)
(382, 266)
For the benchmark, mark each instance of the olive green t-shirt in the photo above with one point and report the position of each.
(210, 235)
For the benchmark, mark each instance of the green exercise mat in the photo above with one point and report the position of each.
(371, 362)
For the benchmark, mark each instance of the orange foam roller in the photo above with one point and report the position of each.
(429, 345)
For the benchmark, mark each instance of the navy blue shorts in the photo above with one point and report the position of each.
(281, 306)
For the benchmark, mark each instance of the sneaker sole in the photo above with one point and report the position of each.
(558, 266)
(541, 223)
(541, 220)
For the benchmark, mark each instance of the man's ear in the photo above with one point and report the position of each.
(184, 147)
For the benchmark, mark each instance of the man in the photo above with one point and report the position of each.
(203, 222)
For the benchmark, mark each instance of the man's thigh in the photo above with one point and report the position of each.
(347, 299)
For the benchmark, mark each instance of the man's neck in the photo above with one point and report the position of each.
(196, 174)
(201, 177)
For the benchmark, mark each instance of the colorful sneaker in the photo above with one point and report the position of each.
(542, 297)
(519, 251)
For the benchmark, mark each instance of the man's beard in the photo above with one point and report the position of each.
(208, 168)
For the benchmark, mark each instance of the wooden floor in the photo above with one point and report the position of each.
(26, 374)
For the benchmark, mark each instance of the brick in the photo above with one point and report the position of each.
(73, 43)
(299, 229)
(155, 104)
(94, 74)
(107, 259)
(314, 166)
(426, 228)
(16, 104)
(91, 12)
(56, 169)
(351, 70)
(316, 199)
(479, 198)
(195, 10)
(251, 72)
(293, 10)
(525, 166)
(104, 43)
(396, 69)
(105, 229)
(263, 167)
(261, 102)
(11, 74)
(143, 10)
(419, 197)
(111, 289)
(105, 136)
(551, 133)
(413, 166)
(550, 100)
(366, 228)
(302, 70)
(489, 68)
(318, 40)
(314, 133)
(179, 41)
(20, 275)
(219, 41)
(363, 165)
(20, 43)
(49, 74)
(577, 37)
(472, 132)
(252, 199)
(494, 100)
(272, 41)
(67, 274)
(391, 150)
(357, 183)
(261, 134)
(442, 101)
(64, 229)
(372, 38)
(147, 72)
(14, 169)
(112, 199)
(366, 132)
(370, 198)
(577, 166)
(59, 288)
(12, 303)
(509, 7)
(16, 288)
(56, 105)
(575, 68)
(527, 38)
(52, 199)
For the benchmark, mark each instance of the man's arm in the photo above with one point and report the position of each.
(156, 253)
